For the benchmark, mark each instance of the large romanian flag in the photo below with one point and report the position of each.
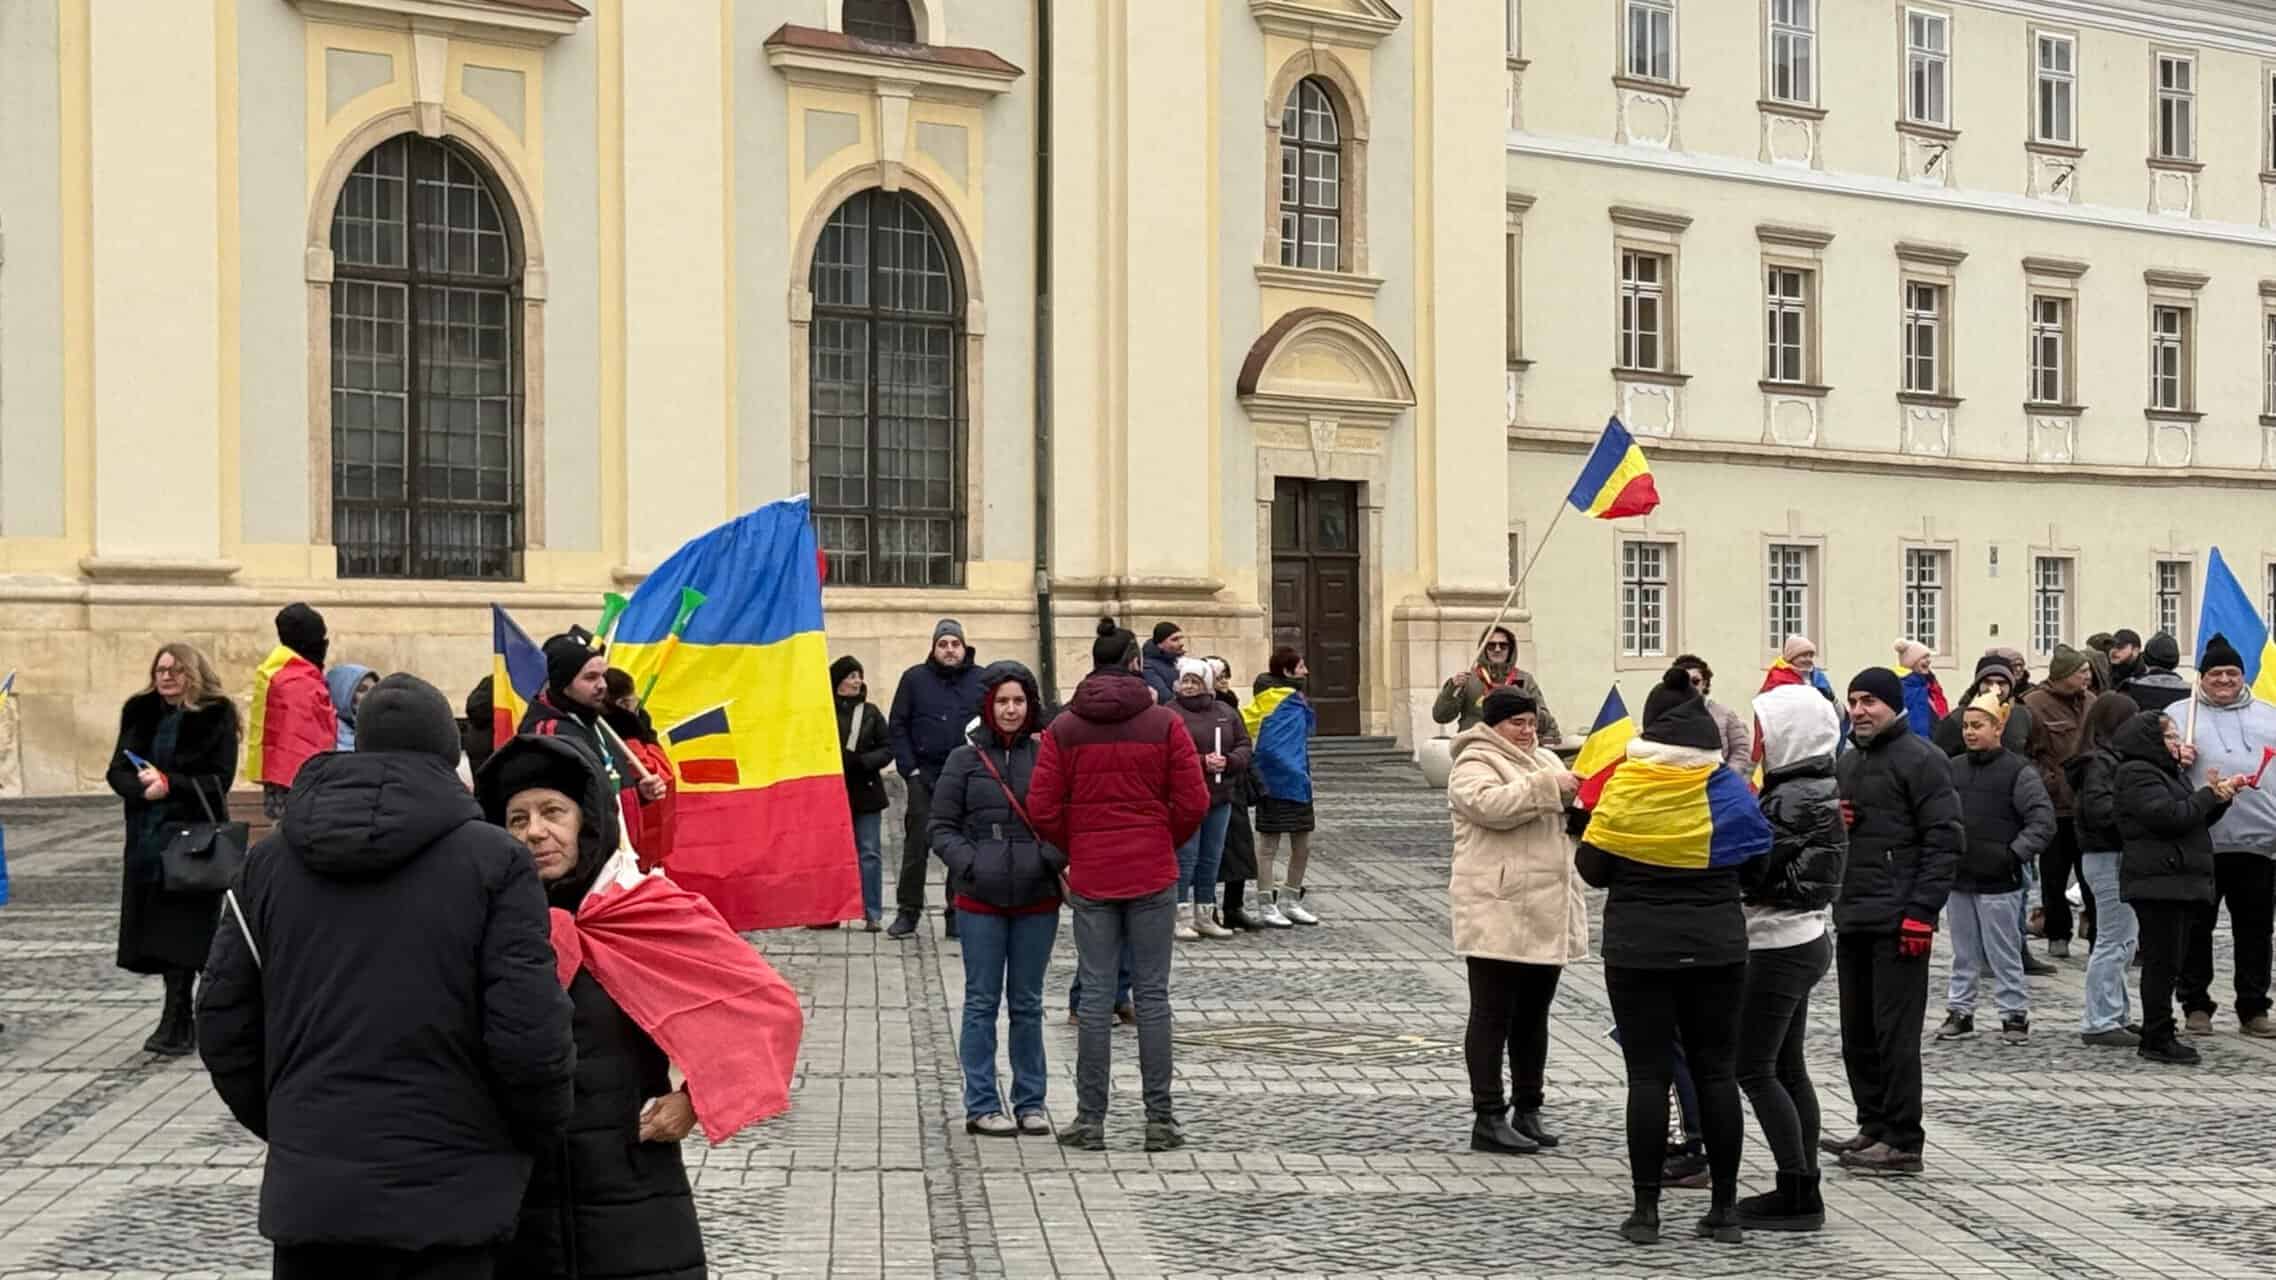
(1604, 749)
(1672, 815)
(1616, 481)
(2228, 612)
(764, 831)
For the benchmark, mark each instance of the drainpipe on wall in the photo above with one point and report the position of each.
(1047, 671)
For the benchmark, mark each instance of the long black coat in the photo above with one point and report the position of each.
(864, 752)
(161, 931)
(1905, 844)
(2166, 825)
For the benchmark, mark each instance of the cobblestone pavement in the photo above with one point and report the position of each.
(1319, 1075)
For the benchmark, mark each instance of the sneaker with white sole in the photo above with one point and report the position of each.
(998, 1125)
(1294, 908)
(1205, 922)
(1035, 1124)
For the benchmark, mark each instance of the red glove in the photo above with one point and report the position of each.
(1848, 814)
(1914, 938)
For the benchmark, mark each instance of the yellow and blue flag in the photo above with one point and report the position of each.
(1280, 721)
(1670, 815)
(2229, 613)
(1616, 481)
(1604, 748)
(517, 675)
(763, 828)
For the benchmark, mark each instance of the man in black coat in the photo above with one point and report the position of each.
(386, 1014)
(1905, 836)
(935, 701)
(2158, 684)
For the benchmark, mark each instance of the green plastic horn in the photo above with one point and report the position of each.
(612, 608)
(690, 600)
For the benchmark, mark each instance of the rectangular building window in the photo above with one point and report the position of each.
(1926, 572)
(2169, 358)
(1924, 338)
(1928, 68)
(1786, 591)
(2174, 606)
(2176, 106)
(2050, 602)
(1793, 51)
(1643, 310)
(2050, 349)
(1651, 39)
(2054, 117)
(2268, 593)
(1786, 293)
(1646, 572)
(2268, 363)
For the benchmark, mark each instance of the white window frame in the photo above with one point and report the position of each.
(1635, 292)
(2173, 586)
(1791, 62)
(1925, 613)
(1788, 578)
(2268, 363)
(2172, 357)
(2050, 374)
(2054, 87)
(2174, 123)
(1927, 85)
(2268, 593)
(1789, 306)
(1925, 332)
(2054, 598)
(1659, 39)
(1647, 599)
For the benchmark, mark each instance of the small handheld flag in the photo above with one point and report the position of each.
(2228, 612)
(517, 675)
(1605, 747)
(1616, 481)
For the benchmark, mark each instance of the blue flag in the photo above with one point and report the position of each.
(2228, 612)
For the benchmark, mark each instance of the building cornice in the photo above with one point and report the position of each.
(497, 21)
(2240, 26)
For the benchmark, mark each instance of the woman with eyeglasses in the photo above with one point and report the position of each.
(175, 760)
(1462, 700)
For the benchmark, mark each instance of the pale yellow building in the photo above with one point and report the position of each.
(1953, 321)
(405, 307)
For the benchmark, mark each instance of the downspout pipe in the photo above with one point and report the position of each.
(1046, 631)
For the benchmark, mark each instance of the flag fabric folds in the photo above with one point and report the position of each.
(1604, 748)
(764, 831)
(1616, 481)
(1280, 721)
(291, 718)
(517, 675)
(1673, 815)
(2228, 612)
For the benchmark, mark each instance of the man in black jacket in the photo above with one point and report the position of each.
(2158, 684)
(386, 1014)
(933, 705)
(1905, 835)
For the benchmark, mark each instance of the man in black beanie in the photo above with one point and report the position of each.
(392, 945)
(1161, 655)
(1905, 835)
(934, 703)
(570, 705)
(2158, 684)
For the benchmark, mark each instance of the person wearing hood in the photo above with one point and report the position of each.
(2092, 777)
(1519, 913)
(478, 730)
(1924, 696)
(1666, 840)
(2008, 820)
(292, 716)
(2058, 710)
(2157, 683)
(1737, 733)
(173, 764)
(1994, 677)
(1222, 741)
(2224, 734)
(1161, 656)
(1280, 721)
(1905, 838)
(652, 823)
(1786, 896)
(865, 748)
(383, 1010)
(1118, 787)
(934, 702)
(347, 684)
(1462, 699)
(2166, 872)
(1004, 882)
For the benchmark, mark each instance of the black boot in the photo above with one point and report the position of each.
(1722, 1225)
(176, 1035)
(1492, 1132)
(1794, 1206)
(1529, 1124)
(1643, 1223)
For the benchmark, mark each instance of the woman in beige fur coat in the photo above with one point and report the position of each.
(1519, 917)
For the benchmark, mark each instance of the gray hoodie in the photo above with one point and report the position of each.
(2228, 740)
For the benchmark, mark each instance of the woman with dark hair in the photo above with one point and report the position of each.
(175, 760)
(1240, 861)
(2093, 775)
(2165, 871)
(1281, 722)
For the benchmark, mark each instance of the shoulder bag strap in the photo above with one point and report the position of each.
(997, 774)
(244, 930)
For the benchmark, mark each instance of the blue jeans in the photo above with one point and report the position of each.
(1984, 937)
(1199, 858)
(1004, 960)
(2116, 934)
(869, 849)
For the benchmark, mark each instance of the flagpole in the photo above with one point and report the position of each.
(1517, 586)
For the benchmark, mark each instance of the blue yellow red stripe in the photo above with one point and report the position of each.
(1604, 748)
(1616, 480)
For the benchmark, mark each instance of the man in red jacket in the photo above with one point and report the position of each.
(1118, 786)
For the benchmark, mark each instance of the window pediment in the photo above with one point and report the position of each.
(1355, 24)
(833, 59)
(1315, 362)
(530, 23)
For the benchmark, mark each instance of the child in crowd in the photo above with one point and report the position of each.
(2009, 819)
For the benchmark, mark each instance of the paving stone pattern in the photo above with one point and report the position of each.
(2051, 1159)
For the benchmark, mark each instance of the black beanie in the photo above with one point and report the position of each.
(1113, 646)
(301, 629)
(2220, 653)
(1505, 702)
(1993, 664)
(2125, 638)
(843, 667)
(1675, 714)
(566, 655)
(2162, 652)
(1164, 630)
(1883, 684)
(406, 714)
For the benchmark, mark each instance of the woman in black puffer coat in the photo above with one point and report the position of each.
(2165, 871)
(611, 1199)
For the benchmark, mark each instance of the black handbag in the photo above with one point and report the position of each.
(202, 857)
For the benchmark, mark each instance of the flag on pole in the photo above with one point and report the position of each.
(764, 831)
(7, 687)
(1616, 481)
(1605, 747)
(2228, 612)
(517, 675)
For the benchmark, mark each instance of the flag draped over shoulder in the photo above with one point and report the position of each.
(517, 674)
(1604, 748)
(1670, 815)
(745, 702)
(2228, 612)
(1616, 481)
(291, 718)
(1280, 722)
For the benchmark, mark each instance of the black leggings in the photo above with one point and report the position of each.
(1652, 1007)
(1509, 1005)
(1774, 1018)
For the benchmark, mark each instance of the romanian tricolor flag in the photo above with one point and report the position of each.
(2228, 612)
(517, 675)
(1678, 815)
(1280, 722)
(1604, 749)
(1616, 481)
(291, 718)
(764, 831)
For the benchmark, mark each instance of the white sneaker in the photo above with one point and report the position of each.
(1269, 914)
(1293, 907)
(1184, 932)
(1205, 922)
(998, 1125)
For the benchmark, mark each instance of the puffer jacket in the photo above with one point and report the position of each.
(2155, 690)
(1118, 787)
(2228, 741)
(931, 707)
(2093, 778)
(1802, 871)
(2165, 824)
(993, 858)
(2008, 818)
(1210, 722)
(1161, 672)
(1738, 738)
(1514, 891)
(1905, 841)
(1666, 917)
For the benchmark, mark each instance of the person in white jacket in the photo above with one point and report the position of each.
(2226, 727)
